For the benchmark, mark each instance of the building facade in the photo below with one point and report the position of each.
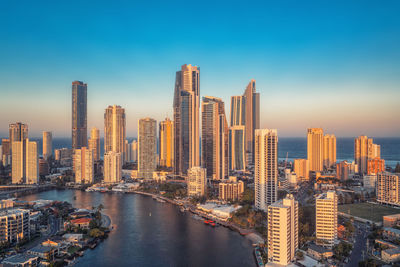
(79, 114)
(15, 225)
(186, 119)
(329, 151)
(302, 169)
(237, 148)
(25, 162)
(315, 148)
(115, 130)
(47, 145)
(266, 168)
(364, 150)
(84, 165)
(214, 138)
(94, 143)
(388, 188)
(112, 167)
(166, 137)
(283, 230)
(197, 182)
(231, 189)
(147, 148)
(375, 166)
(18, 131)
(326, 218)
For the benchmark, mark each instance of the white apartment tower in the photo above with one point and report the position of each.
(326, 218)
(84, 165)
(147, 148)
(112, 167)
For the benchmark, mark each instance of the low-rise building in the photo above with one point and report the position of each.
(391, 233)
(43, 252)
(197, 181)
(391, 220)
(82, 223)
(391, 255)
(6, 203)
(23, 260)
(231, 189)
(319, 252)
(369, 181)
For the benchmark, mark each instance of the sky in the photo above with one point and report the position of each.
(329, 64)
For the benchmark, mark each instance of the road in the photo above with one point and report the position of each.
(360, 245)
(54, 224)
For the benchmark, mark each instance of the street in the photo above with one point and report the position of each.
(360, 246)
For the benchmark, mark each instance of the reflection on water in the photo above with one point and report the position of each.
(166, 238)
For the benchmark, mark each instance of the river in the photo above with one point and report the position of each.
(149, 233)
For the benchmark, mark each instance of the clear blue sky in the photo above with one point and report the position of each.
(330, 64)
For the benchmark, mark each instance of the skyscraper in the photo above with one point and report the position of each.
(283, 230)
(115, 130)
(6, 151)
(112, 167)
(237, 148)
(166, 133)
(364, 150)
(94, 143)
(315, 148)
(388, 188)
(134, 151)
(329, 151)
(197, 182)
(147, 148)
(25, 162)
(186, 119)
(18, 132)
(84, 165)
(326, 218)
(79, 114)
(47, 145)
(266, 168)
(238, 110)
(214, 137)
(252, 116)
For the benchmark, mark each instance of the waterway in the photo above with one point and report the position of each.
(149, 233)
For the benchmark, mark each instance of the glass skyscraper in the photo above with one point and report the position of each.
(79, 114)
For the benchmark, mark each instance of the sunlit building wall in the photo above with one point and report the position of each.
(315, 147)
(166, 137)
(364, 150)
(388, 188)
(25, 162)
(47, 145)
(329, 151)
(94, 143)
(112, 167)
(302, 169)
(326, 218)
(197, 182)
(84, 165)
(147, 148)
(115, 130)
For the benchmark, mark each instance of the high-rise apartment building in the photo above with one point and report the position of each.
(186, 119)
(326, 218)
(302, 169)
(25, 162)
(329, 151)
(237, 148)
(47, 145)
(364, 150)
(315, 148)
(18, 132)
(134, 151)
(197, 182)
(375, 166)
(112, 167)
(5, 152)
(266, 168)
(166, 137)
(79, 114)
(84, 166)
(115, 130)
(214, 137)
(94, 143)
(388, 188)
(252, 116)
(283, 230)
(147, 148)
(231, 189)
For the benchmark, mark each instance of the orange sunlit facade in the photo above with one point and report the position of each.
(376, 166)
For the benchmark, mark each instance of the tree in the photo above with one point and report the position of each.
(96, 233)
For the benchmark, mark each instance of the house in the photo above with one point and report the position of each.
(82, 223)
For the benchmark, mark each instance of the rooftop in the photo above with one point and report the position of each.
(393, 230)
(41, 249)
(81, 220)
(392, 251)
(12, 212)
(19, 259)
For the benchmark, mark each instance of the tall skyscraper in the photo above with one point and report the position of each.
(237, 148)
(364, 150)
(25, 162)
(329, 151)
(18, 132)
(115, 130)
(238, 110)
(283, 230)
(94, 143)
(134, 151)
(112, 167)
(197, 182)
(315, 148)
(147, 148)
(388, 188)
(84, 165)
(186, 119)
(47, 145)
(214, 137)
(252, 116)
(266, 168)
(326, 218)
(302, 169)
(79, 114)
(166, 133)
